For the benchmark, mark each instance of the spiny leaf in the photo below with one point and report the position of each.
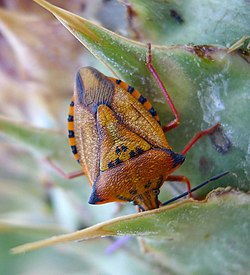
(6, 226)
(181, 22)
(173, 222)
(204, 82)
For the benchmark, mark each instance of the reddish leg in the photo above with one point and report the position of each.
(176, 121)
(62, 173)
(198, 136)
(151, 68)
(181, 179)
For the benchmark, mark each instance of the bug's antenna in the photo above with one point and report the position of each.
(196, 187)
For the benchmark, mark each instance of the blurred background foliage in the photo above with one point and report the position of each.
(38, 62)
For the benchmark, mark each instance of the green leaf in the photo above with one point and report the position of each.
(181, 22)
(90, 258)
(202, 236)
(207, 85)
(41, 142)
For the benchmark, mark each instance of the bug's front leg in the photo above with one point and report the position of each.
(176, 121)
(199, 135)
(151, 68)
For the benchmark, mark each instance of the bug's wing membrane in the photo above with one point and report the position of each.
(91, 89)
(135, 117)
(118, 144)
(86, 138)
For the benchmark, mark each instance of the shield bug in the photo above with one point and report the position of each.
(115, 135)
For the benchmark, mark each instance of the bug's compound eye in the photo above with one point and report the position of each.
(156, 192)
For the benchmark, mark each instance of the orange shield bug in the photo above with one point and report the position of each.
(115, 135)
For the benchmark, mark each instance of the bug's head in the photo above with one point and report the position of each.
(147, 200)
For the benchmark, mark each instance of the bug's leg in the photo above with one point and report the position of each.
(151, 68)
(198, 136)
(181, 179)
(71, 175)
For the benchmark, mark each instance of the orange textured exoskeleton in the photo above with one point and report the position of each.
(115, 135)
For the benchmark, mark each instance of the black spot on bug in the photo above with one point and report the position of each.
(117, 161)
(70, 118)
(124, 148)
(142, 99)
(147, 185)
(139, 150)
(117, 150)
(130, 89)
(71, 134)
(133, 192)
(174, 14)
(72, 103)
(111, 164)
(132, 153)
(177, 159)
(118, 81)
(74, 150)
(152, 111)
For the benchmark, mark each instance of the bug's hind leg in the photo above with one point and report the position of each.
(198, 136)
(181, 179)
